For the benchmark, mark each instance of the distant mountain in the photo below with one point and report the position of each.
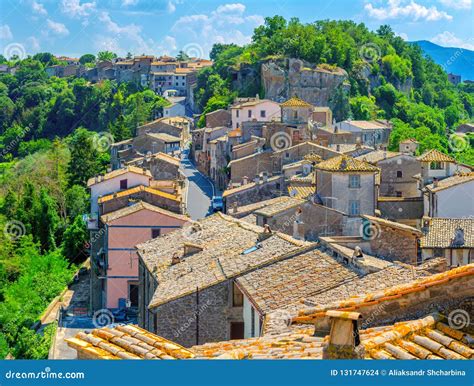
(459, 61)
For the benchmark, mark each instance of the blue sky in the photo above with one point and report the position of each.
(75, 27)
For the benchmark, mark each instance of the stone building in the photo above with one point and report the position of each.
(436, 166)
(262, 188)
(408, 146)
(347, 185)
(397, 173)
(405, 210)
(162, 166)
(412, 322)
(296, 111)
(187, 290)
(451, 238)
(254, 109)
(372, 133)
(450, 198)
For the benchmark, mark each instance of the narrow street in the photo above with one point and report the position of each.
(199, 189)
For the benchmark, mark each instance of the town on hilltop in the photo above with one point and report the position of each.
(252, 209)
(272, 231)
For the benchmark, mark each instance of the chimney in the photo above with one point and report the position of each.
(435, 182)
(344, 339)
(191, 249)
(338, 147)
(256, 180)
(245, 180)
(265, 176)
(298, 230)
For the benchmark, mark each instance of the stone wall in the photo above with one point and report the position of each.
(250, 166)
(393, 245)
(318, 221)
(285, 78)
(274, 187)
(153, 199)
(390, 184)
(401, 209)
(198, 318)
(218, 118)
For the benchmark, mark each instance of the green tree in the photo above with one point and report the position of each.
(87, 58)
(106, 55)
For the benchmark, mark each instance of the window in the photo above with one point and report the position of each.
(252, 322)
(354, 207)
(399, 194)
(237, 125)
(250, 113)
(438, 252)
(436, 165)
(123, 184)
(237, 113)
(236, 330)
(237, 296)
(155, 233)
(287, 155)
(263, 113)
(133, 294)
(354, 181)
(295, 114)
(399, 174)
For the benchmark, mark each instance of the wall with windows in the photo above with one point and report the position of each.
(352, 198)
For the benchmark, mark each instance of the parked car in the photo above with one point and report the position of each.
(217, 204)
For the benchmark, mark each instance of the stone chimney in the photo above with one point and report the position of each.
(298, 225)
(245, 180)
(344, 339)
(435, 182)
(338, 147)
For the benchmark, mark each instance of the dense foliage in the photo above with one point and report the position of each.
(389, 78)
(54, 135)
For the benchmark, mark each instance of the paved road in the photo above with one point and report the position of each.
(199, 189)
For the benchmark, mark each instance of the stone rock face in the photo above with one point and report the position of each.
(283, 79)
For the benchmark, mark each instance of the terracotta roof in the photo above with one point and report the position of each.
(115, 173)
(441, 233)
(426, 338)
(286, 282)
(128, 210)
(410, 140)
(393, 224)
(228, 251)
(310, 314)
(250, 208)
(137, 189)
(449, 182)
(167, 158)
(369, 125)
(377, 155)
(250, 102)
(434, 155)
(164, 137)
(300, 191)
(346, 164)
(295, 102)
(250, 185)
(126, 342)
(282, 205)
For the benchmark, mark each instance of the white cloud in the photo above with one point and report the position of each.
(5, 32)
(125, 38)
(396, 9)
(403, 35)
(74, 8)
(171, 5)
(448, 39)
(57, 28)
(457, 4)
(38, 8)
(33, 43)
(126, 3)
(219, 26)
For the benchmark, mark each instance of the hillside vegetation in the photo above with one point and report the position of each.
(379, 64)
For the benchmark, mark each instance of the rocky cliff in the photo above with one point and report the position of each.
(282, 79)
